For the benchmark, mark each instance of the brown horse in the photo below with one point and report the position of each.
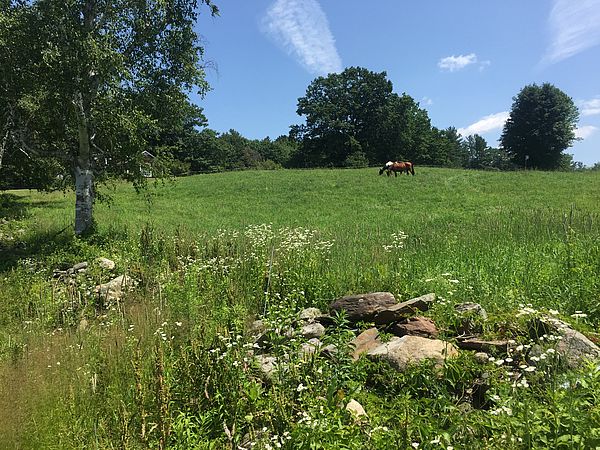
(397, 166)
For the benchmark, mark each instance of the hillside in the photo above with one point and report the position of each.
(166, 363)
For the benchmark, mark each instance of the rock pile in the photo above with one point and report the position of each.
(414, 340)
(401, 337)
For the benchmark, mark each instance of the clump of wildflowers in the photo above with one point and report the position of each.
(396, 242)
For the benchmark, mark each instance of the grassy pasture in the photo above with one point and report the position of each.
(508, 235)
(211, 251)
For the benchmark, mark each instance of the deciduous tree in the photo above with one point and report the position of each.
(341, 111)
(355, 118)
(101, 74)
(541, 126)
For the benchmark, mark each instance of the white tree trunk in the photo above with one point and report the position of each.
(3, 147)
(84, 200)
(84, 176)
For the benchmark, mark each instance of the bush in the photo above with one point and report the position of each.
(356, 160)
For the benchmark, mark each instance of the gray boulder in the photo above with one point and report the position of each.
(312, 330)
(114, 289)
(401, 352)
(267, 365)
(309, 314)
(363, 307)
(106, 263)
(400, 311)
(574, 347)
(470, 315)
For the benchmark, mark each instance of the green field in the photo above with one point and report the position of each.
(210, 252)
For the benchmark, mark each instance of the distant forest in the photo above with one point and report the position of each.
(352, 120)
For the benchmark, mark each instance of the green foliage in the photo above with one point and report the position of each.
(99, 84)
(356, 160)
(541, 126)
(356, 110)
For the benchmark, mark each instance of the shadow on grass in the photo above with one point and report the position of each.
(54, 244)
(34, 245)
(12, 207)
(60, 248)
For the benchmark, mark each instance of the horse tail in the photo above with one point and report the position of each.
(412, 168)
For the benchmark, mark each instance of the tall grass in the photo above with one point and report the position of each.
(166, 368)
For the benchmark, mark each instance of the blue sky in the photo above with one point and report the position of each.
(463, 61)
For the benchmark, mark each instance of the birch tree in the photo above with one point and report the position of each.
(102, 71)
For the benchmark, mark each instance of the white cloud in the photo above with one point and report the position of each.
(301, 27)
(484, 64)
(486, 124)
(590, 107)
(585, 131)
(454, 63)
(426, 101)
(575, 26)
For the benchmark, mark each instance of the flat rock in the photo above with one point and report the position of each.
(312, 330)
(363, 307)
(402, 352)
(79, 266)
(481, 345)
(400, 311)
(365, 341)
(415, 326)
(114, 289)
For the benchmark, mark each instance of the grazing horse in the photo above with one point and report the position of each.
(397, 166)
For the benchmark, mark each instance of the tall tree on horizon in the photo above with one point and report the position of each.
(541, 126)
(342, 113)
(356, 116)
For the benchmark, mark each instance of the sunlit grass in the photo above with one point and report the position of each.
(211, 252)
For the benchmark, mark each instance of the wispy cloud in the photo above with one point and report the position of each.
(486, 124)
(585, 131)
(426, 101)
(590, 107)
(575, 26)
(484, 64)
(454, 63)
(301, 27)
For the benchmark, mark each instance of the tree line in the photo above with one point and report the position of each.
(355, 119)
(90, 88)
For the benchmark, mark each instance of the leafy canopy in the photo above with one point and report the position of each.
(354, 118)
(97, 82)
(541, 126)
